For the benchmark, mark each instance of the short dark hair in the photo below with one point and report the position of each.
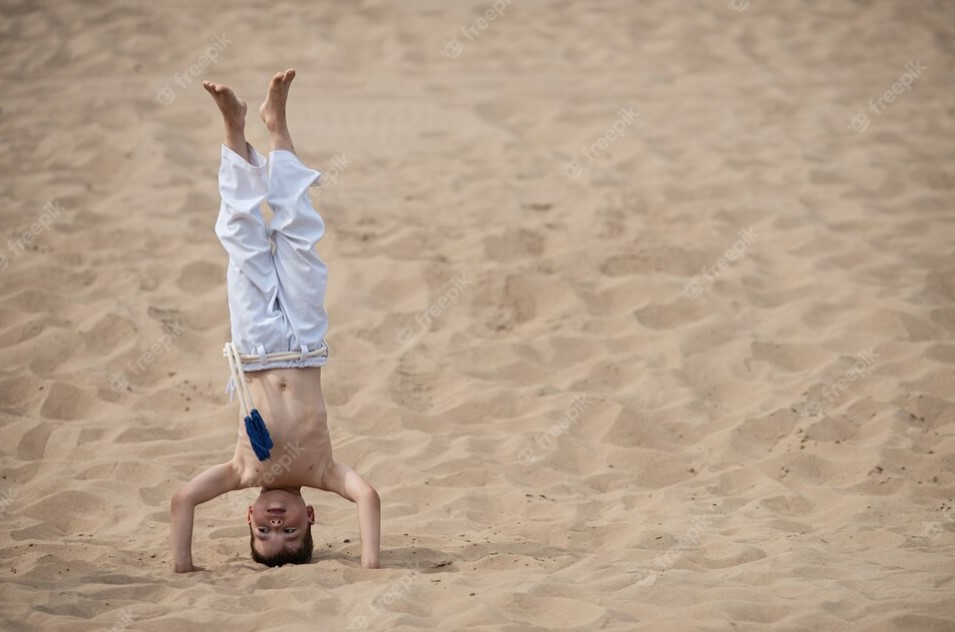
(302, 555)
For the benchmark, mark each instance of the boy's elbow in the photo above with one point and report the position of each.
(370, 497)
(179, 499)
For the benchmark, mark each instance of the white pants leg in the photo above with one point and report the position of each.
(296, 228)
(276, 299)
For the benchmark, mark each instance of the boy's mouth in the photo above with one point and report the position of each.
(275, 510)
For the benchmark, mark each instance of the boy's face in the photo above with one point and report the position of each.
(279, 519)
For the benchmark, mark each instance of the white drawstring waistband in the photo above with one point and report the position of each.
(236, 360)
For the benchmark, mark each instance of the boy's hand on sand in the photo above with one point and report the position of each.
(187, 568)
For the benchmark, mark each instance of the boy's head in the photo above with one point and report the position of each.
(280, 526)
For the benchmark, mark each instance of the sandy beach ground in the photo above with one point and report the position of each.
(641, 313)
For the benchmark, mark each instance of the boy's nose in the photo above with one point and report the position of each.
(275, 522)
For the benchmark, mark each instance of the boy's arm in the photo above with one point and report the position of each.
(215, 481)
(347, 483)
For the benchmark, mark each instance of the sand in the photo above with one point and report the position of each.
(642, 314)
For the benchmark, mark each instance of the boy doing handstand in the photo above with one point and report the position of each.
(276, 289)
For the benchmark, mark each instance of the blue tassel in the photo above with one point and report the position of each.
(258, 435)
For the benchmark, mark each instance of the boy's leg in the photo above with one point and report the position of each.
(296, 226)
(258, 325)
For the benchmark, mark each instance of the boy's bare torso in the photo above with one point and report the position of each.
(291, 403)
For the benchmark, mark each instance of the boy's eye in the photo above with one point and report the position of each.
(263, 529)
(290, 531)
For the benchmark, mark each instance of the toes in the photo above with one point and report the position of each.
(282, 79)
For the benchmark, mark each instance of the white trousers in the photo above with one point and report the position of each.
(276, 281)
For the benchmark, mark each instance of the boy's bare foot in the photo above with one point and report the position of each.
(233, 115)
(232, 107)
(272, 110)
